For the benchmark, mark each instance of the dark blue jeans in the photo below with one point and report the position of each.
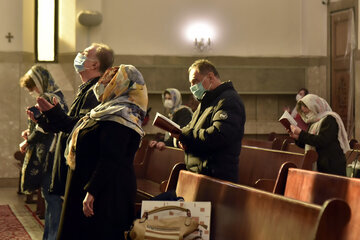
(53, 206)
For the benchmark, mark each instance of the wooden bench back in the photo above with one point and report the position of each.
(290, 146)
(160, 163)
(274, 144)
(260, 163)
(239, 212)
(140, 154)
(315, 187)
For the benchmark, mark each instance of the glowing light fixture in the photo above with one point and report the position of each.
(202, 34)
(46, 30)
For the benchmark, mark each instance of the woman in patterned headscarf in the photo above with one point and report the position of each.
(326, 134)
(38, 162)
(101, 183)
(177, 112)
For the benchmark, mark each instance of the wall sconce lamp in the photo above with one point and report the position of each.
(202, 36)
(201, 44)
(46, 30)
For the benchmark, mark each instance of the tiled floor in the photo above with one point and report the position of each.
(9, 196)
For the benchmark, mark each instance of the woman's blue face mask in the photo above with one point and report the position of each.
(198, 90)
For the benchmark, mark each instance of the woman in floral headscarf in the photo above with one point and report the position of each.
(38, 162)
(101, 184)
(177, 112)
(326, 134)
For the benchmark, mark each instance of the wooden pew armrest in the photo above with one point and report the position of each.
(265, 184)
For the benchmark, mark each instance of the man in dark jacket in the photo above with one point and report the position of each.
(90, 65)
(212, 139)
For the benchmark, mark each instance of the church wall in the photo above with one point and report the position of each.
(266, 85)
(268, 49)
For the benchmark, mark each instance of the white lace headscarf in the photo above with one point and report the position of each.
(319, 110)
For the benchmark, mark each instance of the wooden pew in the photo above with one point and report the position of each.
(274, 144)
(290, 146)
(260, 163)
(315, 187)
(140, 154)
(153, 172)
(239, 212)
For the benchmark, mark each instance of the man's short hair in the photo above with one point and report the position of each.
(27, 81)
(105, 55)
(204, 66)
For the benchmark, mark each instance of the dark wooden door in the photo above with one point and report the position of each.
(342, 85)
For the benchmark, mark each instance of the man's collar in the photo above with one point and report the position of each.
(209, 95)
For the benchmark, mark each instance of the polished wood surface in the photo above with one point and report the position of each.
(290, 146)
(154, 170)
(273, 144)
(240, 212)
(315, 187)
(260, 163)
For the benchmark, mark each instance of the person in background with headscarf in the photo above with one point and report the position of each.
(101, 184)
(177, 112)
(326, 134)
(39, 148)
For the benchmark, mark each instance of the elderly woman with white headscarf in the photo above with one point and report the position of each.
(326, 134)
(101, 183)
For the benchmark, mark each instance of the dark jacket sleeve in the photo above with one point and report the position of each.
(227, 122)
(328, 133)
(35, 137)
(182, 117)
(113, 139)
(60, 121)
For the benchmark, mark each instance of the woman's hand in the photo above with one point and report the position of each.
(31, 116)
(44, 105)
(23, 146)
(294, 132)
(25, 134)
(88, 205)
(295, 129)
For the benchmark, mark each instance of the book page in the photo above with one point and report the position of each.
(286, 120)
(287, 115)
(166, 124)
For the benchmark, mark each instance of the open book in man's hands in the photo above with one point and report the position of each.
(286, 120)
(166, 124)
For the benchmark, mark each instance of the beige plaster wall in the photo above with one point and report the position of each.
(242, 28)
(266, 85)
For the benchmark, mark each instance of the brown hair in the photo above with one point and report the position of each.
(105, 55)
(27, 81)
(204, 66)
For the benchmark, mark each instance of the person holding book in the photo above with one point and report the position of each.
(212, 139)
(326, 134)
(294, 114)
(178, 113)
(39, 147)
